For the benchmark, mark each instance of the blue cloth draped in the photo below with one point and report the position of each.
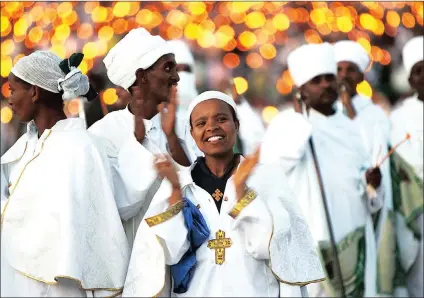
(198, 233)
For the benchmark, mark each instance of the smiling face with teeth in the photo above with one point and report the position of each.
(214, 127)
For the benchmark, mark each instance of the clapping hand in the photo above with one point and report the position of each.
(244, 171)
(168, 113)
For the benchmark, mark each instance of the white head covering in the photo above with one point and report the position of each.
(207, 95)
(138, 49)
(41, 69)
(182, 52)
(311, 60)
(413, 53)
(351, 51)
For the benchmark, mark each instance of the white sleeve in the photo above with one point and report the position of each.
(254, 223)
(4, 187)
(286, 140)
(168, 223)
(287, 290)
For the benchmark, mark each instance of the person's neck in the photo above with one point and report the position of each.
(219, 165)
(46, 118)
(420, 97)
(326, 110)
(148, 113)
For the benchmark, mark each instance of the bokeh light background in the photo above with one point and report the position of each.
(248, 41)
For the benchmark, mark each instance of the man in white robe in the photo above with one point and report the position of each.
(408, 119)
(253, 229)
(344, 165)
(61, 234)
(146, 62)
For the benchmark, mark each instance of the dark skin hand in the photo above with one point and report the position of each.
(166, 169)
(373, 177)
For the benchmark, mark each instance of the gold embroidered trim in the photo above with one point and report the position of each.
(243, 202)
(164, 216)
(19, 178)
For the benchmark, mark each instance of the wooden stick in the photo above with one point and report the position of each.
(408, 136)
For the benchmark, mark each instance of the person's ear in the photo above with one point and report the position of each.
(141, 76)
(35, 93)
(237, 123)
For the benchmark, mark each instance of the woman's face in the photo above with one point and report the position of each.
(213, 127)
(21, 99)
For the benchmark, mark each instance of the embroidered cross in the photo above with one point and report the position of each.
(217, 195)
(220, 244)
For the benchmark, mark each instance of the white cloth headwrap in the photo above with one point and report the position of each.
(182, 52)
(311, 60)
(413, 53)
(351, 51)
(207, 95)
(41, 69)
(138, 49)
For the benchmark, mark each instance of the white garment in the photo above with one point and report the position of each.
(116, 129)
(245, 271)
(408, 119)
(412, 53)
(61, 232)
(343, 161)
(352, 51)
(186, 90)
(252, 128)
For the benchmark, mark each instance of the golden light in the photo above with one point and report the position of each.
(239, 7)
(208, 25)
(238, 18)
(241, 85)
(393, 18)
(90, 6)
(101, 47)
(6, 65)
(255, 19)
(4, 24)
(85, 31)
(121, 9)
(176, 18)
(269, 28)
(99, 14)
(192, 31)
(367, 21)
(156, 19)
(35, 34)
(318, 16)
(261, 36)
(20, 27)
(311, 36)
(268, 51)
(89, 50)
(109, 96)
(120, 26)
(231, 60)
(11, 7)
(324, 29)
(59, 50)
(231, 45)
(70, 19)
(344, 24)
(376, 54)
(144, 17)
(281, 22)
(197, 8)
(6, 115)
(379, 29)
(7, 47)
(283, 87)
(408, 20)
(62, 32)
(254, 60)
(386, 58)
(364, 88)
(221, 39)
(83, 67)
(206, 40)
(37, 12)
(105, 33)
(287, 78)
(134, 8)
(174, 32)
(268, 113)
(17, 58)
(64, 9)
(247, 39)
(364, 43)
(5, 91)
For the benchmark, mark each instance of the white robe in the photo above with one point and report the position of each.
(116, 129)
(258, 234)
(61, 232)
(408, 118)
(343, 161)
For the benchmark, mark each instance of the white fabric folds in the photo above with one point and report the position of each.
(413, 53)
(351, 51)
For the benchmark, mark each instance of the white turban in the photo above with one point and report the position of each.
(138, 49)
(207, 95)
(351, 51)
(41, 69)
(182, 52)
(311, 60)
(413, 53)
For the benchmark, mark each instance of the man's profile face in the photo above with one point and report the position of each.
(349, 73)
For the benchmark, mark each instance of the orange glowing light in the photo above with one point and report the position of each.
(109, 96)
(393, 18)
(241, 85)
(344, 24)
(255, 19)
(99, 14)
(7, 47)
(5, 91)
(85, 31)
(247, 39)
(121, 9)
(64, 9)
(283, 87)
(17, 58)
(254, 60)
(120, 26)
(105, 33)
(197, 8)
(281, 22)
(90, 6)
(6, 65)
(144, 17)
(408, 20)
(268, 51)
(90, 50)
(231, 60)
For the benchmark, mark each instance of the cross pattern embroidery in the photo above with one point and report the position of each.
(220, 244)
(217, 195)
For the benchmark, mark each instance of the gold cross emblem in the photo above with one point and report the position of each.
(217, 195)
(220, 244)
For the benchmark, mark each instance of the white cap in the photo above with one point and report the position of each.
(182, 52)
(311, 60)
(138, 49)
(351, 51)
(412, 53)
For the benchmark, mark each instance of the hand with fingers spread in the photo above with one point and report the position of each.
(373, 177)
(243, 172)
(137, 108)
(168, 113)
(166, 169)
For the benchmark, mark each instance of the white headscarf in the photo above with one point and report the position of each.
(351, 51)
(187, 90)
(41, 69)
(311, 60)
(138, 49)
(413, 53)
(207, 95)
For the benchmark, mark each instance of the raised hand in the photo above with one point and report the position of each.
(168, 113)
(166, 169)
(243, 172)
(373, 177)
(138, 106)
